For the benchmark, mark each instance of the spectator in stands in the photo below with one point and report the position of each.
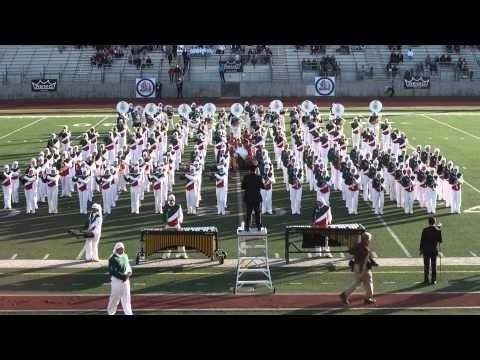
(158, 90)
(428, 61)
(220, 49)
(178, 71)
(221, 70)
(370, 74)
(174, 51)
(179, 87)
(149, 61)
(169, 57)
(410, 54)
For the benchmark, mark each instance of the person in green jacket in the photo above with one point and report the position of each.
(120, 272)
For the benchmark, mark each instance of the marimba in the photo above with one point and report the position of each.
(203, 239)
(339, 235)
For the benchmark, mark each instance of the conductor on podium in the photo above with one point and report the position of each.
(252, 183)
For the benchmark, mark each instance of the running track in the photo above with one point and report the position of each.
(240, 302)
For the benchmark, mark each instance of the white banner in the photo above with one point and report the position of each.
(325, 86)
(145, 87)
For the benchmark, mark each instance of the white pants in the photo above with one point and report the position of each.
(52, 195)
(120, 292)
(399, 194)
(91, 248)
(431, 200)
(220, 192)
(83, 200)
(353, 208)
(295, 199)
(447, 193)
(324, 196)
(16, 185)
(30, 201)
(378, 201)
(456, 201)
(356, 140)
(7, 196)
(135, 193)
(408, 201)
(266, 201)
(107, 201)
(191, 197)
(159, 201)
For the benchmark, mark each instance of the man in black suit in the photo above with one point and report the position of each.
(431, 237)
(252, 183)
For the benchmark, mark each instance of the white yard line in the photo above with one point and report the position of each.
(451, 127)
(473, 254)
(394, 236)
(80, 254)
(14, 256)
(94, 126)
(46, 256)
(23, 127)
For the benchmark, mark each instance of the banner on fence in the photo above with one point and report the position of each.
(44, 84)
(417, 83)
(325, 86)
(145, 87)
(233, 66)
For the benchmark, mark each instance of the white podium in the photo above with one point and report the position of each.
(253, 259)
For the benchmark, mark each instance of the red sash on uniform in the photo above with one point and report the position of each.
(65, 141)
(135, 183)
(372, 143)
(343, 147)
(268, 185)
(173, 222)
(52, 183)
(423, 186)
(64, 172)
(200, 147)
(316, 140)
(109, 146)
(386, 132)
(93, 141)
(133, 147)
(106, 186)
(280, 146)
(457, 187)
(219, 146)
(297, 186)
(156, 186)
(83, 187)
(325, 146)
(15, 177)
(321, 222)
(379, 189)
(29, 186)
(409, 188)
(190, 186)
(176, 147)
(140, 142)
(353, 188)
(300, 148)
(220, 184)
(86, 147)
(356, 131)
(325, 189)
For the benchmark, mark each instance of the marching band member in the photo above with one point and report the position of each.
(356, 129)
(322, 217)
(408, 184)
(134, 180)
(110, 147)
(52, 181)
(85, 146)
(6, 180)
(105, 183)
(53, 143)
(421, 186)
(266, 193)
(353, 188)
(94, 227)
(446, 188)
(28, 182)
(220, 190)
(15, 174)
(65, 136)
(173, 217)
(159, 182)
(378, 194)
(431, 193)
(120, 272)
(399, 195)
(190, 191)
(295, 182)
(178, 151)
(82, 181)
(323, 187)
(456, 182)
(386, 140)
(278, 147)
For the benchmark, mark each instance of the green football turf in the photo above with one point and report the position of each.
(33, 237)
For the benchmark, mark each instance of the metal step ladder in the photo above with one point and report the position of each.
(257, 263)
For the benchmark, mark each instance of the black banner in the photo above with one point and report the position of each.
(417, 83)
(44, 84)
(233, 66)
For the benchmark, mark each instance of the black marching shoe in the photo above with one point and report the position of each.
(369, 301)
(426, 282)
(434, 282)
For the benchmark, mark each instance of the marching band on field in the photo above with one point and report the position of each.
(145, 157)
